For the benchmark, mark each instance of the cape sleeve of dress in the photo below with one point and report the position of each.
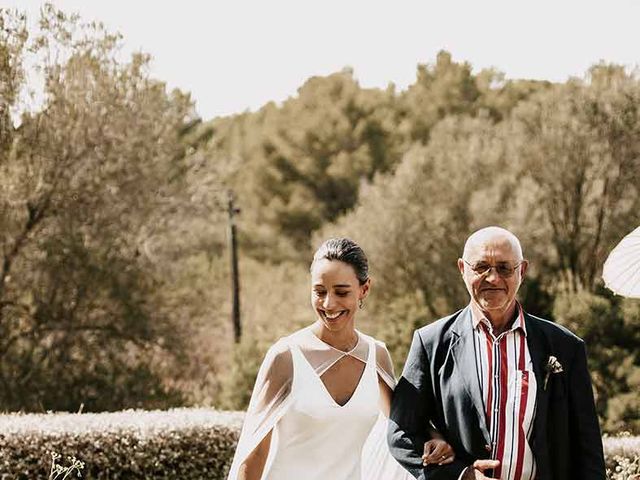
(377, 462)
(269, 401)
(384, 364)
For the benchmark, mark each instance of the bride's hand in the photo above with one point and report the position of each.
(437, 452)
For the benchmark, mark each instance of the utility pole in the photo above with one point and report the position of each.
(235, 284)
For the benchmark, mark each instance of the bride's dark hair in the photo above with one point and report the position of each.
(347, 251)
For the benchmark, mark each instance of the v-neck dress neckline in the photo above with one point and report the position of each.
(323, 387)
(317, 438)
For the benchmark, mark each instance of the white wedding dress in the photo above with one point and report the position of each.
(317, 439)
(314, 438)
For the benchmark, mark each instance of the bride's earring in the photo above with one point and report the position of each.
(360, 304)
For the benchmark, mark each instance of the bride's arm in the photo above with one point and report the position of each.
(386, 378)
(385, 397)
(268, 404)
(252, 467)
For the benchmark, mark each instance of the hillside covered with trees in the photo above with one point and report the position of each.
(114, 267)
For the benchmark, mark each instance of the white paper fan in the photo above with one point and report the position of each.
(621, 272)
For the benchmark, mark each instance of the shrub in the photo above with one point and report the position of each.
(622, 456)
(182, 443)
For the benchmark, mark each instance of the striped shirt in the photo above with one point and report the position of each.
(508, 386)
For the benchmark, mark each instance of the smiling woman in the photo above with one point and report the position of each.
(340, 283)
(322, 395)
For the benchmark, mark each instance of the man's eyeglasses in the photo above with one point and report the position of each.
(503, 269)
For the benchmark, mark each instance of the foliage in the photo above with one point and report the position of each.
(609, 327)
(446, 88)
(622, 457)
(81, 180)
(405, 314)
(576, 154)
(13, 38)
(190, 444)
(301, 165)
(58, 471)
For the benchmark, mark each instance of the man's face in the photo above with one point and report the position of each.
(494, 291)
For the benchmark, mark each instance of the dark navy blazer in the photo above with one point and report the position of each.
(439, 385)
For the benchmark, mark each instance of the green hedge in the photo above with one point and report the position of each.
(182, 443)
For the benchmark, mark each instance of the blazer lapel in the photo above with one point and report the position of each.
(463, 352)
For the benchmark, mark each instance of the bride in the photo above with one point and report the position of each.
(319, 406)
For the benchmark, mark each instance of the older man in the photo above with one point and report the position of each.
(509, 391)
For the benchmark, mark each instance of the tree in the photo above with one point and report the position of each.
(576, 155)
(82, 181)
(609, 326)
(302, 164)
(13, 36)
(299, 165)
(443, 89)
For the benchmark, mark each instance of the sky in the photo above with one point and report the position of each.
(237, 55)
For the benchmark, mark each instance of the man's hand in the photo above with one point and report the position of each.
(437, 452)
(476, 471)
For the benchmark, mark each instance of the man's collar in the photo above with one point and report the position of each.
(478, 317)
